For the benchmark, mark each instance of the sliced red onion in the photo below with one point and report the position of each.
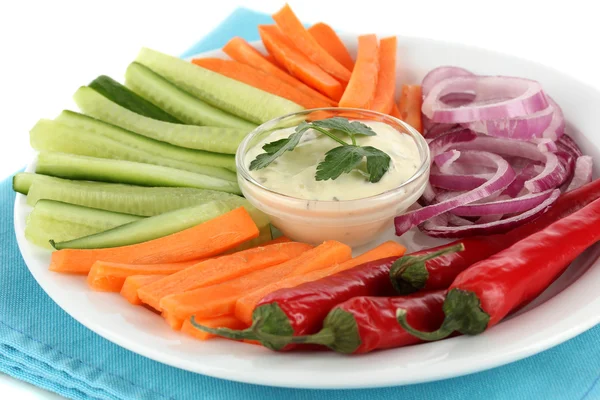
(567, 144)
(438, 74)
(486, 219)
(529, 171)
(506, 206)
(438, 226)
(502, 178)
(583, 172)
(519, 128)
(429, 194)
(456, 182)
(556, 129)
(555, 173)
(458, 221)
(545, 145)
(496, 97)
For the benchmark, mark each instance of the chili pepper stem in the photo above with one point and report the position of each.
(409, 273)
(463, 314)
(325, 337)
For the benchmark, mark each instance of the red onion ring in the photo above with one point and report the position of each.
(438, 74)
(583, 172)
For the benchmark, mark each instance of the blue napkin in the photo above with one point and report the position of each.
(41, 344)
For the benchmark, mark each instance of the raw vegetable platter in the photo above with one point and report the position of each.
(568, 307)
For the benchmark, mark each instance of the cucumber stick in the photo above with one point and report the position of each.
(99, 169)
(183, 105)
(128, 199)
(22, 182)
(95, 126)
(121, 95)
(222, 92)
(53, 220)
(53, 136)
(149, 228)
(208, 138)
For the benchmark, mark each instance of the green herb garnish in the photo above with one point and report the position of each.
(339, 160)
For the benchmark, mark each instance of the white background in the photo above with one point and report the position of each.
(50, 48)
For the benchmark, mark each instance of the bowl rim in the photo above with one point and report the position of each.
(422, 145)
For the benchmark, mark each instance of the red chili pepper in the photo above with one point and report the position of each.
(363, 324)
(485, 293)
(440, 272)
(301, 310)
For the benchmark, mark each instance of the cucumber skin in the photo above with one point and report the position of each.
(124, 97)
(162, 93)
(225, 93)
(162, 149)
(22, 181)
(148, 228)
(118, 171)
(215, 139)
(53, 136)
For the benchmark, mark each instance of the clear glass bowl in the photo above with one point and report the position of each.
(354, 222)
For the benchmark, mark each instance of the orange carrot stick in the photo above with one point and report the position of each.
(260, 80)
(110, 277)
(244, 307)
(241, 51)
(225, 321)
(411, 100)
(383, 100)
(216, 300)
(331, 42)
(291, 26)
(361, 89)
(395, 111)
(217, 270)
(133, 283)
(280, 239)
(298, 64)
(204, 240)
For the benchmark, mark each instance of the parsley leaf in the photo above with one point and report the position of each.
(378, 163)
(339, 160)
(274, 150)
(343, 125)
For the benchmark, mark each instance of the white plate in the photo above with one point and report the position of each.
(569, 307)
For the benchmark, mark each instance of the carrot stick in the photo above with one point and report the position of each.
(217, 270)
(216, 300)
(244, 307)
(280, 239)
(298, 64)
(133, 283)
(291, 26)
(411, 100)
(383, 100)
(260, 80)
(331, 42)
(361, 89)
(204, 240)
(241, 51)
(395, 111)
(110, 277)
(225, 321)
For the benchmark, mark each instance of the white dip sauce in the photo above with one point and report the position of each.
(293, 173)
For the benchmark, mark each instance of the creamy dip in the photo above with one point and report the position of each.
(293, 173)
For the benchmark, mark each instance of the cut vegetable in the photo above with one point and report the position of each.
(52, 220)
(76, 167)
(330, 41)
(361, 89)
(53, 136)
(409, 106)
(149, 228)
(292, 27)
(178, 102)
(244, 73)
(245, 305)
(208, 138)
(110, 277)
(384, 97)
(221, 269)
(22, 182)
(298, 64)
(162, 149)
(133, 283)
(217, 300)
(241, 51)
(124, 97)
(225, 321)
(224, 93)
(205, 240)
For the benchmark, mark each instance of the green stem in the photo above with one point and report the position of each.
(444, 331)
(325, 337)
(430, 256)
(331, 135)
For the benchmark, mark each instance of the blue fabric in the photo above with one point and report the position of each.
(41, 344)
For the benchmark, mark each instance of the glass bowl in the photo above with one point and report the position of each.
(353, 222)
